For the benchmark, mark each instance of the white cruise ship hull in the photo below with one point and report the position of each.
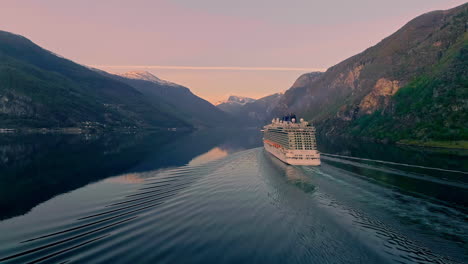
(293, 157)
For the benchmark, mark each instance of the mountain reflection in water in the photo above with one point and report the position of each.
(217, 196)
(34, 168)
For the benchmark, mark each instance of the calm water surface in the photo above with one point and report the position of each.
(218, 197)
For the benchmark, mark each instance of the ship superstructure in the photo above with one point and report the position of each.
(292, 142)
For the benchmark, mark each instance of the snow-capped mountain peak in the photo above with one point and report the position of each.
(146, 76)
(233, 99)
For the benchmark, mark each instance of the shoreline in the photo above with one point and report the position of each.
(85, 130)
(456, 144)
(434, 144)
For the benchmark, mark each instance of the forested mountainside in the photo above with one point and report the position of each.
(411, 85)
(39, 89)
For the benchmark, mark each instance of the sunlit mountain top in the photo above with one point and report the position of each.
(146, 76)
(234, 99)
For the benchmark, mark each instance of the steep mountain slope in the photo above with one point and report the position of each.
(176, 99)
(288, 101)
(41, 89)
(411, 85)
(234, 103)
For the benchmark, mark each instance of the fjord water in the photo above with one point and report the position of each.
(218, 197)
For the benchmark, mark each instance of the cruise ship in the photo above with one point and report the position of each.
(292, 142)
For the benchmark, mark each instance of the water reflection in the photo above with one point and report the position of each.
(297, 178)
(182, 197)
(291, 175)
(35, 168)
(131, 178)
(213, 154)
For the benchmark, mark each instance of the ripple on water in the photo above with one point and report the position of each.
(246, 207)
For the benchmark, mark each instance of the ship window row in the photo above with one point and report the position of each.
(296, 158)
(300, 158)
(302, 148)
(300, 141)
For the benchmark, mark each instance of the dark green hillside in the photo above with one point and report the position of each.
(410, 86)
(431, 107)
(40, 89)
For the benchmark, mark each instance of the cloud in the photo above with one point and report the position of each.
(228, 68)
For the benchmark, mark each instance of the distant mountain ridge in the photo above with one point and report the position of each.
(260, 112)
(233, 104)
(236, 99)
(177, 100)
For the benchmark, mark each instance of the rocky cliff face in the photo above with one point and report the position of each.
(379, 97)
(372, 83)
(16, 104)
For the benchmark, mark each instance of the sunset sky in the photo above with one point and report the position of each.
(214, 47)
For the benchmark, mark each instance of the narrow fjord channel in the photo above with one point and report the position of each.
(218, 197)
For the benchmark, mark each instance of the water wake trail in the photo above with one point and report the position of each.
(395, 163)
(400, 173)
(246, 207)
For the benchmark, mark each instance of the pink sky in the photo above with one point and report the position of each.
(230, 39)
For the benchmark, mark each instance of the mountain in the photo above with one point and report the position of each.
(259, 112)
(237, 100)
(300, 86)
(305, 79)
(39, 89)
(175, 99)
(234, 103)
(145, 76)
(413, 85)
